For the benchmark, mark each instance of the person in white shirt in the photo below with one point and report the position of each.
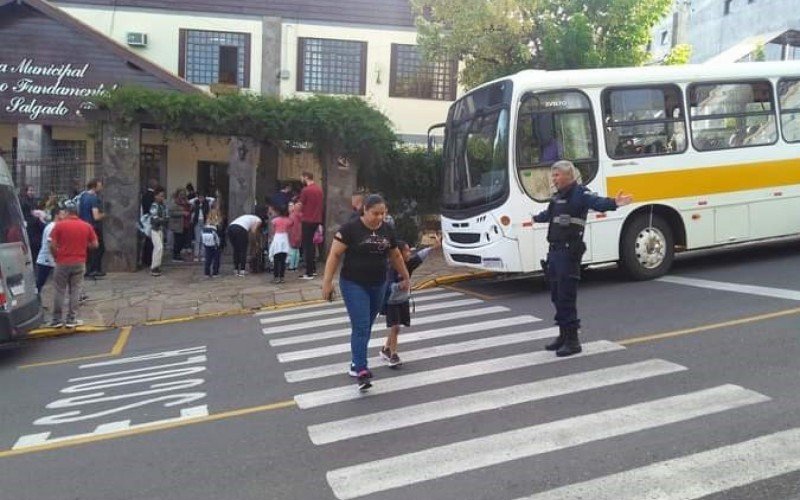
(44, 261)
(239, 232)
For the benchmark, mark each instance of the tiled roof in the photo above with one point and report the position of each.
(371, 12)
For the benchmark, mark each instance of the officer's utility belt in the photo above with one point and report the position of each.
(565, 245)
(565, 220)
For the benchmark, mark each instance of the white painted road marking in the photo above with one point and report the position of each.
(450, 373)
(342, 310)
(442, 461)
(427, 353)
(305, 325)
(329, 305)
(109, 428)
(777, 293)
(693, 476)
(317, 352)
(442, 409)
(425, 320)
(345, 332)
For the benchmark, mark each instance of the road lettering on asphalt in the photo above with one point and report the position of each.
(144, 380)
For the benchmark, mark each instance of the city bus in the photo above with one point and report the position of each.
(710, 154)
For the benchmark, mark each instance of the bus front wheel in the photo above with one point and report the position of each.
(648, 247)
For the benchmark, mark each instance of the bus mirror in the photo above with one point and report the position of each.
(432, 138)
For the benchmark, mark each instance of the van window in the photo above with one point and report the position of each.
(11, 225)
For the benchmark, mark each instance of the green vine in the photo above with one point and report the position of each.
(336, 125)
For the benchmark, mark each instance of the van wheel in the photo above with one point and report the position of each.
(647, 250)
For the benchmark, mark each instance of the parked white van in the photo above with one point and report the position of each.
(20, 307)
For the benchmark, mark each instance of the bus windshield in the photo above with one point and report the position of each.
(476, 149)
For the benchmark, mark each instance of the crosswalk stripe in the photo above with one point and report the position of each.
(763, 291)
(426, 320)
(426, 353)
(442, 461)
(305, 325)
(694, 476)
(343, 310)
(330, 305)
(442, 409)
(447, 374)
(407, 338)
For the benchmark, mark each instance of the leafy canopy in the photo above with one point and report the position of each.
(337, 125)
(495, 38)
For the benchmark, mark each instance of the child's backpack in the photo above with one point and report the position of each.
(145, 227)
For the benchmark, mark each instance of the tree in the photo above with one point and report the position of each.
(679, 54)
(494, 38)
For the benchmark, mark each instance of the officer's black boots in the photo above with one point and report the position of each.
(571, 343)
(559, 341)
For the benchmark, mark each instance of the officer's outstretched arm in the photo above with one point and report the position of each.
(599, 203)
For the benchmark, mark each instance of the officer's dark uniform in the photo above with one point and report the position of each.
(566, 214)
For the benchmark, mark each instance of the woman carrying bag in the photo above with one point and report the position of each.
(366, 243)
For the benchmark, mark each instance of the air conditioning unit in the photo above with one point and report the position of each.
(137, 39)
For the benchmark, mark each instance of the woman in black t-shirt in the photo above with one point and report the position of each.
(366, 244)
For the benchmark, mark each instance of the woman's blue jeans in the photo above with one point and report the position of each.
(363, 301)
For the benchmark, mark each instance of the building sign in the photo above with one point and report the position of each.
(45, 92)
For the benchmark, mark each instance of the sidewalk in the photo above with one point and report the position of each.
(121, 299)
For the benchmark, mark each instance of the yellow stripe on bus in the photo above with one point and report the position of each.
(705, 181)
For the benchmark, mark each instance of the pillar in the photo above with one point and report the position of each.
(271, 27)
(121, 165)
(243, 156)
(339, 182)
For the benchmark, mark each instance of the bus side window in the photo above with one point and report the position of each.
(732, 115)
(789, 100)
(644, 121)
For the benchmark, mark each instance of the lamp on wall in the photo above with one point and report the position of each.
(242, 150)
(377, 75)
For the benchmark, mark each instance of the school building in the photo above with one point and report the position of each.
(54, 56)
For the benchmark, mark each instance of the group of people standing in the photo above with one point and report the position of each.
(39, 213)
(293, 224)
(66, 239)
(194, 221)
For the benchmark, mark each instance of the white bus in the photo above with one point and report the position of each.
(711, 155)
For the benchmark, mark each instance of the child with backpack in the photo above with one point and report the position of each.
(396, 306)
(211, 242)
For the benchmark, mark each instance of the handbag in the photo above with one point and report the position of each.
(397, 295)
(319, 236)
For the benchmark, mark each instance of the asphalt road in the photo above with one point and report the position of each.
(687, 389)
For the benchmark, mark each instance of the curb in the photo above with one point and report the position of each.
(42, 333)
(452, 278)
(46, 333)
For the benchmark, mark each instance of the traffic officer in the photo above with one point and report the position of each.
(566, 215)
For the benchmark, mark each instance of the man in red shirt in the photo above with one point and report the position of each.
(70, 241)
(312, 199)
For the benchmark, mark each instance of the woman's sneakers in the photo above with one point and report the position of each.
(363, 377)
(393, 360)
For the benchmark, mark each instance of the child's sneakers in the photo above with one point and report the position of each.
(393, 360)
